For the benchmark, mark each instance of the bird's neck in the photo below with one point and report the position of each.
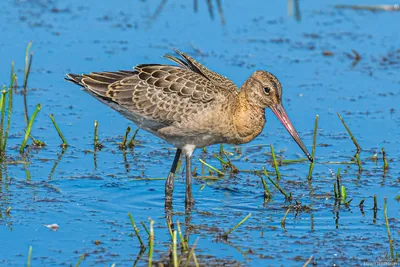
(249, 119)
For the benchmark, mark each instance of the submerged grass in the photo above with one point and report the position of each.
(123, 144)
(275, 163)
(267, 193)
(185, 246)
(388, 229)
(375, 208)
(9, 108)
(283, 222)
(313, 147)
(212, 168)
(96, 143)
(357, 155)
(131, 143)
(64, 142)
(136, 230)
(81, 258)
(151, 243)
(227, 233)
(28, 64)
(338, 188)
(385, 163)
(3, 111)
(28, 263)
(288, 197)
(29, 128)
(174, 250)
(192, 255)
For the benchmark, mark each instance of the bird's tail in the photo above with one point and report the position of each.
(74, 78)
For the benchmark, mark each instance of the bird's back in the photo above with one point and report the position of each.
(173, 102)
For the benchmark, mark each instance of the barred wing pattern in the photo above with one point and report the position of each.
(161, 94)
(216, 78)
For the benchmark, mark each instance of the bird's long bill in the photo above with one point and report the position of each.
(283, 117)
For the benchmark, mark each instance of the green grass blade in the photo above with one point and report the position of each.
(64, 144)
(29, 128)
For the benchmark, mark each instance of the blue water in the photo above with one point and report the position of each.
(91, 203)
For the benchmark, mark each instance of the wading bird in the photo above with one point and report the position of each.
(190, 106)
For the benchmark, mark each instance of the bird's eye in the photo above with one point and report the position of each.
(267, 90)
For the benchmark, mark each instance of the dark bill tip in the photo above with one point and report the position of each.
(280, 112)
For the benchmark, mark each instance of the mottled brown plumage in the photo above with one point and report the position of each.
(189, 105)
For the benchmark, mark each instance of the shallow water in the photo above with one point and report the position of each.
(91, 203)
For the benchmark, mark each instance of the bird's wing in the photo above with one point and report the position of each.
(188, 62)
(160, 93)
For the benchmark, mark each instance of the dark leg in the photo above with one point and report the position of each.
(189, 196)
(169, 184)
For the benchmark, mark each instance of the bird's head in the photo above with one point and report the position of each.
(265, 91)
